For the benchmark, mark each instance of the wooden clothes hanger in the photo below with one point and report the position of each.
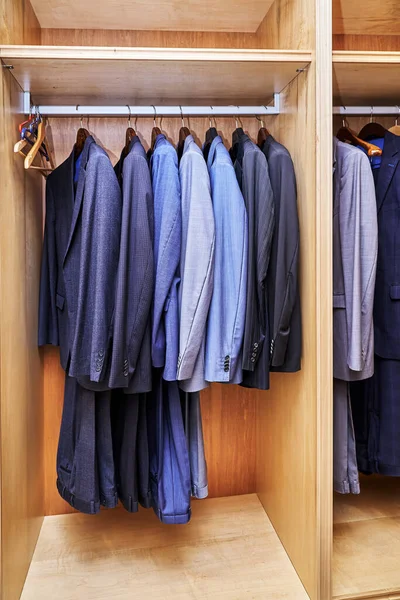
(263, 133)
(129, 134)
(211, 134)
(36, 149)
(345, 134)
(396, 128)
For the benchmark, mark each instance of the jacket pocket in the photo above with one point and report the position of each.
(339, 301)
(60, 301)
(395, 292)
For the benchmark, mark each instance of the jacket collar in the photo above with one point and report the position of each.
(390, 161)
(80, 187)
(213, 149)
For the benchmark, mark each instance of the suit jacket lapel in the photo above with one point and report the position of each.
(79, 191)
(390, 160)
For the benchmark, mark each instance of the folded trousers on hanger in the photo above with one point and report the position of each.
(345, 471)
(191, 410)
(376, 409)
(131, 455)
(168, 450)
(85, 463)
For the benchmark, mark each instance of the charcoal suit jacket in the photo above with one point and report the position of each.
(283, 277)
(131, 355)
(79, 263)
(252, 172)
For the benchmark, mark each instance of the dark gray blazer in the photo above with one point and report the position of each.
(131, 356)
(80, 261)
(252, 171)
(283, 278)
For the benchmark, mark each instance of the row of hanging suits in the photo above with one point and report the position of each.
(366, 312)
(159, 277)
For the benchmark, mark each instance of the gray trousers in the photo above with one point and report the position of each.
(345, 470)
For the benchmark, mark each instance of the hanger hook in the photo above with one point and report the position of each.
(344, 118)
(209, 117)
(372, 114)
(129, 115)
(155, 116)
(238, 119)
(77, 108)
(397, 116)
(183, 120)
(260, 119)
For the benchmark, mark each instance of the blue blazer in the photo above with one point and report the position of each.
(79, 263)
(167, 251)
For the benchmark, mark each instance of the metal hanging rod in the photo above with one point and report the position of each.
(366, 110)
(151, 111)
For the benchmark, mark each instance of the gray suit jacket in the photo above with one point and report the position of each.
(196, 266)
(131, 356)
(283, 278)
(355, 249)
(252, 171)
(79, 263)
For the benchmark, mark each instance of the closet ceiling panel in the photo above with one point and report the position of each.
(152, 76)
(367, 17)
(179, 15)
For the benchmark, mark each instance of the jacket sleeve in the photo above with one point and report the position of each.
(48, 323)
(197, 263)
(226, 320)
(101, 226)
(135, 279)
(286, 255)
(166, 188)
(359, 247)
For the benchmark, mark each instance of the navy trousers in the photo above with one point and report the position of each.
(85, 463)
(376, 414)
(168, 450)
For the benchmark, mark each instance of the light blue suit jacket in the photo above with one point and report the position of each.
(226, 319)
(167, 252)
(197, 266)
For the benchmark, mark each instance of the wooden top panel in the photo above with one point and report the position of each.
(369, 17)
(366, 78)
(165, 15)
(60, 75)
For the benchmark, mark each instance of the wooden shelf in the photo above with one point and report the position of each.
(366, 550)
(90, 75)
(229, 550)
(366, 78)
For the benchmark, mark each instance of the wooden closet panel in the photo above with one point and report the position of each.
(373, 43)
(156, 39)
(294, 419)
(229, 412)
(18, 23)
(21, 380)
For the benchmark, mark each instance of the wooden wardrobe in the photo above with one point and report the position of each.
(269, 529)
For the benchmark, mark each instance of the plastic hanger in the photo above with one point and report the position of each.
(372, 129)
(347, 135)
(396, 128)
(184, 132)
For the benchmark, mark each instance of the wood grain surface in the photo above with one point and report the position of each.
(229, 551)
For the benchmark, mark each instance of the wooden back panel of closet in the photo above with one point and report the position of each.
(229, 412)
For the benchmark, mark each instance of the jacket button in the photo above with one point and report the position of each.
(253, 359)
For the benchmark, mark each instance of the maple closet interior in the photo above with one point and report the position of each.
(270, 528)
